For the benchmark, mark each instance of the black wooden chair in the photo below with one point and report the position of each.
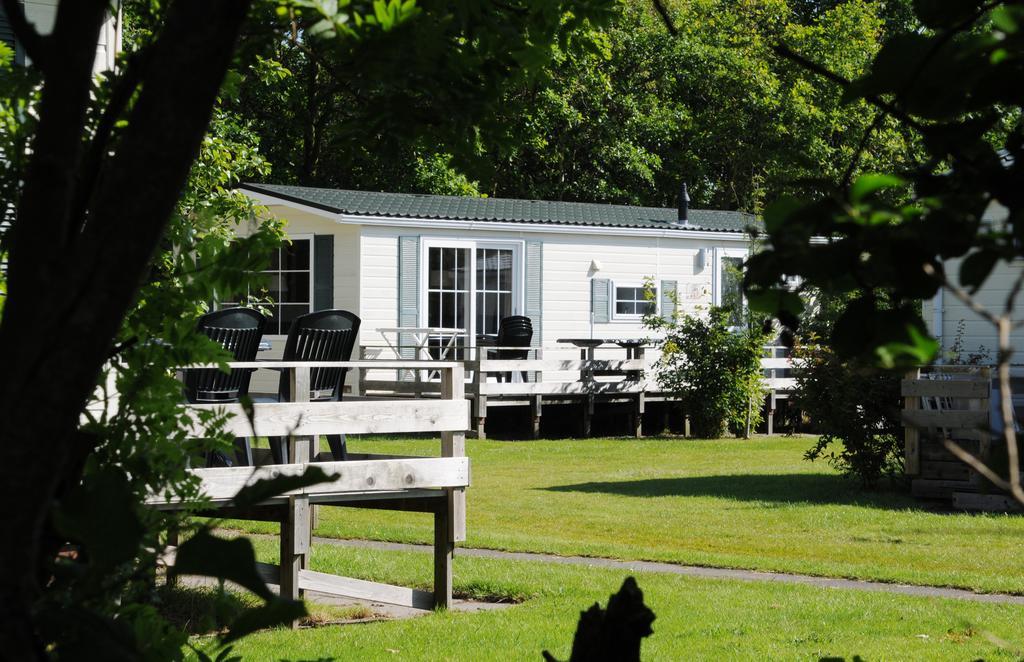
(327, 335)
(239, 331)
(513, 331)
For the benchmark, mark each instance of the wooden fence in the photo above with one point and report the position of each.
(420, 484)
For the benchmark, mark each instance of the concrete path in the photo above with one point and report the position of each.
(696, 571)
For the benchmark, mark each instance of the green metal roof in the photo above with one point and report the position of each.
(444, 207)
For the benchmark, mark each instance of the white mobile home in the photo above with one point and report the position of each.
(577, 270)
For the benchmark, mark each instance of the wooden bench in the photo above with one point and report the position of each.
(433, 485)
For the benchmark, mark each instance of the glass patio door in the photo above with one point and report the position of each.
(471, 287)
(448, 300)
(494, 288)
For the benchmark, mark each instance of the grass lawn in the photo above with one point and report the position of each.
(696, 619)
(746, 504)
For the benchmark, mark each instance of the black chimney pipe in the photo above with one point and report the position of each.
(684, 204)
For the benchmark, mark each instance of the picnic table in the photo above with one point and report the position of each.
(634, 346)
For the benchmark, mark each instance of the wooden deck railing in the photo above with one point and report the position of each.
(539, 379)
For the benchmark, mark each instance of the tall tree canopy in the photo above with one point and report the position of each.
(623, 114)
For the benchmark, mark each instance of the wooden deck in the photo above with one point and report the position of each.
(434, 485)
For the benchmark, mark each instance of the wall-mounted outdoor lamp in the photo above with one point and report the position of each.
(701, 260)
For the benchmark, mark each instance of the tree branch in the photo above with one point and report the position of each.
(862, 146)
(39, 233)
(1006, 407)
(666, 18)
(786, 52)
(1011, 298)
(973, 462)
(961, 294)
(123, 89)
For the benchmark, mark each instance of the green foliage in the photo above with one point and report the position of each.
(610, 113)
(412, 88)
(857, 409)
(713, 369)
(712, 106)
(954, 82)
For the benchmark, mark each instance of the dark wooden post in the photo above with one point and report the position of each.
(536, 403)
(911, 435)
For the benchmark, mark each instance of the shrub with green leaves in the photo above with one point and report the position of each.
(713, 369)
(857, 408)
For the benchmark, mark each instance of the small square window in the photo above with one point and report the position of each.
(632, 302)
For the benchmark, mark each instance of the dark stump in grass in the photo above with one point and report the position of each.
(614, 633)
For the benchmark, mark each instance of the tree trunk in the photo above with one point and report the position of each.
(72, 279)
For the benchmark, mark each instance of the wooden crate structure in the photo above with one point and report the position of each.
(939, 403)
(418, 484)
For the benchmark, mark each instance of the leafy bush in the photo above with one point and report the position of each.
(857, 406)
(714, 370)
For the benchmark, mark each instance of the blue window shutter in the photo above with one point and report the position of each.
(600, 300)
(668, 301)
(408, 291)
(534, 282)
(323, 272)
(7, 36)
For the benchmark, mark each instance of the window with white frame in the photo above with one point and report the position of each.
(288, 282)
(633, 301)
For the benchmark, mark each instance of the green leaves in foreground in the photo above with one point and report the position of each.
(261, 490)
(864, 249)
(234, 560)
(879, 241)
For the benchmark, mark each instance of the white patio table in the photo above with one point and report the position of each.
(421, 336)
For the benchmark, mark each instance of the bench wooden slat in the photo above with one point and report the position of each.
(311, 580)
(356, 417)
(223, 483)
(954, 420)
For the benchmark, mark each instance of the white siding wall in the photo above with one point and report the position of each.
(378, 284)
(566, 276)
(978, 332)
